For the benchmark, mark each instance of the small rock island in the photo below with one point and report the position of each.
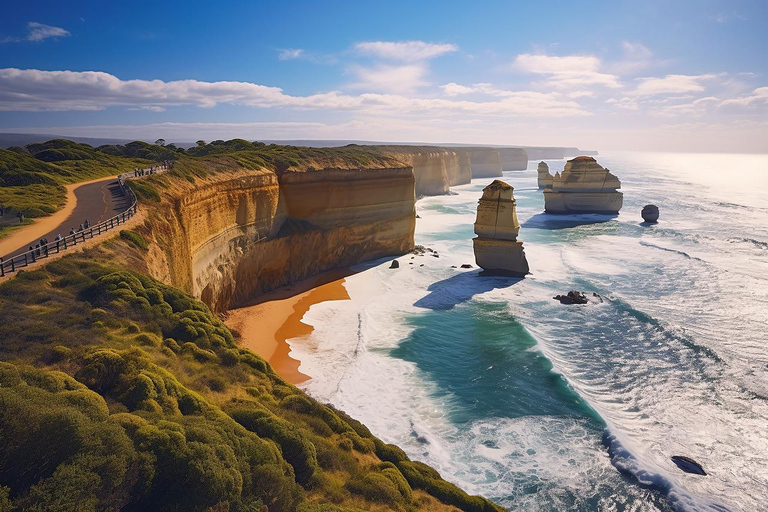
(544, 177)
(584, 186)
(497, 249)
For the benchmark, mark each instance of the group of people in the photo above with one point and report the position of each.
(85, 225)
(19, 215)
(41, 247)
(165, 166)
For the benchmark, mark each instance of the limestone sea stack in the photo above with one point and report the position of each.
(545, 179)
(650, 213)
(497, 249)
(584, 186)
(513, 159)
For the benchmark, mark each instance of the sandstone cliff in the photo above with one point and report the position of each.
(241, 232)
(434, 168)
(513, 159)
(464, 169)
(485, 162)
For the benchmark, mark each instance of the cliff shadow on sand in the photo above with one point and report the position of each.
(448, 293)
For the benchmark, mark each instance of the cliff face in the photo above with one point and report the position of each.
(464, 168)
(243, 233)
(485, 162)
(434, 168)
(513, 159)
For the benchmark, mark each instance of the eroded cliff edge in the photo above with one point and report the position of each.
(240, 231)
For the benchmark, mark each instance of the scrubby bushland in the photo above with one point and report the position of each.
(118, 392)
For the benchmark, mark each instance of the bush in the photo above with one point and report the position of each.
(144, 191)
(375, 487)
(134, 238)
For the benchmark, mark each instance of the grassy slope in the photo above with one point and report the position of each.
(119, 392)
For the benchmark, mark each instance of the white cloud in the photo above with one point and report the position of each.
(394, 79)
(581, 94)
(624, 103)
(37, 32)
(566, 72)
(41, 32)
(36, 90)
(454, 89)
(408, 51)
(759, 95)
(671, 84)
(290, 53)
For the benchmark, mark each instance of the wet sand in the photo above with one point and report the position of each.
(265, 324)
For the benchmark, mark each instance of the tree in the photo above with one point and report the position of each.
(200, 143)
(160, 142)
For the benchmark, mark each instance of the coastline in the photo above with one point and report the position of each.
(267, 323)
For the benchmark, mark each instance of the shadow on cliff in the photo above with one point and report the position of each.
(448, 293)
(565, 221)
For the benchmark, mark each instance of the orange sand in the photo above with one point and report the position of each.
(273, 318)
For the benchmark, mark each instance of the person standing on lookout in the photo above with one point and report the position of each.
(20, 215)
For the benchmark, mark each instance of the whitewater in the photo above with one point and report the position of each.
(543, 406)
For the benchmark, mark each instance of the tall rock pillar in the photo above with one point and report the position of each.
(496, 247)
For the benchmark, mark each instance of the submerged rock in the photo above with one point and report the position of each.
(584, 186)
(394, 264)
(497, 249)
(466, 265)
(572, 297)
(688, 465)
(650, 213)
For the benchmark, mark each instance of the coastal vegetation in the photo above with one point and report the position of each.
(120, 392)
(32, 178)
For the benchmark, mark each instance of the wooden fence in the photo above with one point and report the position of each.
(23, 260)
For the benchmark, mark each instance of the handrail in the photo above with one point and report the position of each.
(29, 257)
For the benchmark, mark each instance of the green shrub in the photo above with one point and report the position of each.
(134, 238)
(375, 487)
(144, 191)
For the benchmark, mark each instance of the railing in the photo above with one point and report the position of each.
(28, 258)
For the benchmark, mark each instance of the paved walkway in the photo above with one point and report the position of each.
(95, 200)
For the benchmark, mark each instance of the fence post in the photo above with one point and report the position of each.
(25, 260)
(13, 265)
(2, 267)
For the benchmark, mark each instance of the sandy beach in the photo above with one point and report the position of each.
(265, 324)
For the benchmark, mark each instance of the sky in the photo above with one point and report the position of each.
(672, 75)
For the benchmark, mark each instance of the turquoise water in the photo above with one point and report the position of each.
(542, 406)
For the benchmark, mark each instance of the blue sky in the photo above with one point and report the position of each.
(658, 75)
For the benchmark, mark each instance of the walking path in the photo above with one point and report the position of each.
(92, 200)
(95, 201)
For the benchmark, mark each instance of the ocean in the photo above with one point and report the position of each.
(544, 406)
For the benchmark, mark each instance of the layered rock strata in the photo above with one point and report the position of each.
(485, 162)
(464, 170)
(583, 187)
(242, 233)
(497, 249)
(544, 178)
(434, 168)
(513, 159)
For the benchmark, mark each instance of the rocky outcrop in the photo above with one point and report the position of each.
(485, 162)
(433, 168)
(544, 178)
(463, 170)
(238, 234)
(650, 213)
(583, 187)
(513, 159)
(497, 249)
